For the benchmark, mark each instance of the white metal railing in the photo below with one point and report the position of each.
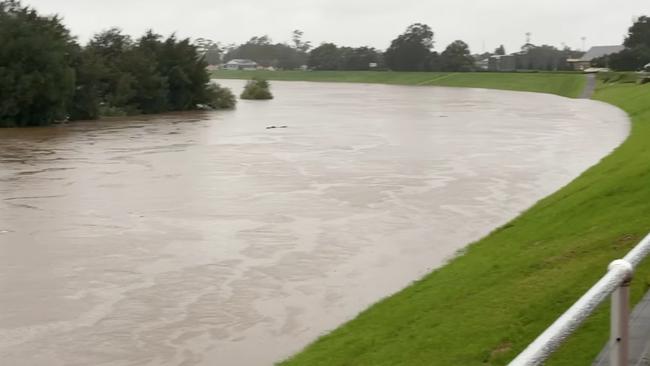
(615, 282)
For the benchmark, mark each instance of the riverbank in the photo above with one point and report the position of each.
(486, 305)
(564, 84)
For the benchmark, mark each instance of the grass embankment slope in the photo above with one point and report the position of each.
(569, 85)
(485, 306)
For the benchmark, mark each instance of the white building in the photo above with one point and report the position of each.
(240, 64)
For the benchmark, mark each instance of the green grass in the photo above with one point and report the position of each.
(485, 306)
(565, 84)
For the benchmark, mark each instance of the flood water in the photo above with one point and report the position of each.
(208, 239)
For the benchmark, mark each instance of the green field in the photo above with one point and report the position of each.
(486, 305)
(565, 84)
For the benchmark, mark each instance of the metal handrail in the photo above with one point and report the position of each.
(616, 283)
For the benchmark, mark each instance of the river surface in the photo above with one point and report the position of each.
(208, 239)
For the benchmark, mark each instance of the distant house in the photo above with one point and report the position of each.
(595, 52)
(240, 64)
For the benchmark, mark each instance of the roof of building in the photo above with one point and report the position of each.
(239, 61)
(600, 51)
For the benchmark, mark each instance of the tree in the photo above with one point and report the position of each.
(637, 49)
(630, 59)
(639, 33)
(37, 77)
(457, 57)
(298, 43)
(411, 51)
(324, 57)
(500, 51)
(115, 86)
(209, 50)
(357, 58)
(264, 52)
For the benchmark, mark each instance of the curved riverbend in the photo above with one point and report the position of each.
(207, 238)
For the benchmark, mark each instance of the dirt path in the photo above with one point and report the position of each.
(590, 87)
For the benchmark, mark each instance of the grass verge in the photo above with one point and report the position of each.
(564, 84)
(485, 306)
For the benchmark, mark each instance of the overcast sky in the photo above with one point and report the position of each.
(482, 24)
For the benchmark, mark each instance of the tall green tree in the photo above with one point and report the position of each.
(209, 50)
(639, 33)
(358, 58)
(637, 49)
(457, 57)
(501, 50)
(37, 77)
(298, 43)
(324, 57)
(411, 51)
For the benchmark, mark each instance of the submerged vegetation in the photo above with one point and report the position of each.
(257, 88)
(112, 75)
(486, 305)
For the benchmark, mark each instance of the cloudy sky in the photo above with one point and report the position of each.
(482, 24)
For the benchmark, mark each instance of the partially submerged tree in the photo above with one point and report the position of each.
(257, 88)
(220, 97)
(46, 76)
(37, 76)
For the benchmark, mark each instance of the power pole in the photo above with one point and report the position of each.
(528, 34)
(584, 39)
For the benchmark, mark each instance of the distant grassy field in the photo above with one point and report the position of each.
(485, 306)
(568, 85)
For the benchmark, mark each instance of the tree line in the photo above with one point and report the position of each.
(46, 76)
(413, 50)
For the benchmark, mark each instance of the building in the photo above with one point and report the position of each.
(595, 52)
(482, 64)
(240, 64)
(502, 63)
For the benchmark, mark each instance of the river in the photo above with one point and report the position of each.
(209, 239)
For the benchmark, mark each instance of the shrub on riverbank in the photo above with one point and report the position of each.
(257, 88)
(36, 82)
(111, 75)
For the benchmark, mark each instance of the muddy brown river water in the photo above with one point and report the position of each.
(208, 239)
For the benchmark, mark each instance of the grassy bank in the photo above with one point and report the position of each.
(485, 306)
(568, 85)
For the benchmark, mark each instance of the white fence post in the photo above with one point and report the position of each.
(619, 341)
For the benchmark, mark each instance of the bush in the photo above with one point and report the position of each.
(220, 97)
(257, 89)
(37, 76)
